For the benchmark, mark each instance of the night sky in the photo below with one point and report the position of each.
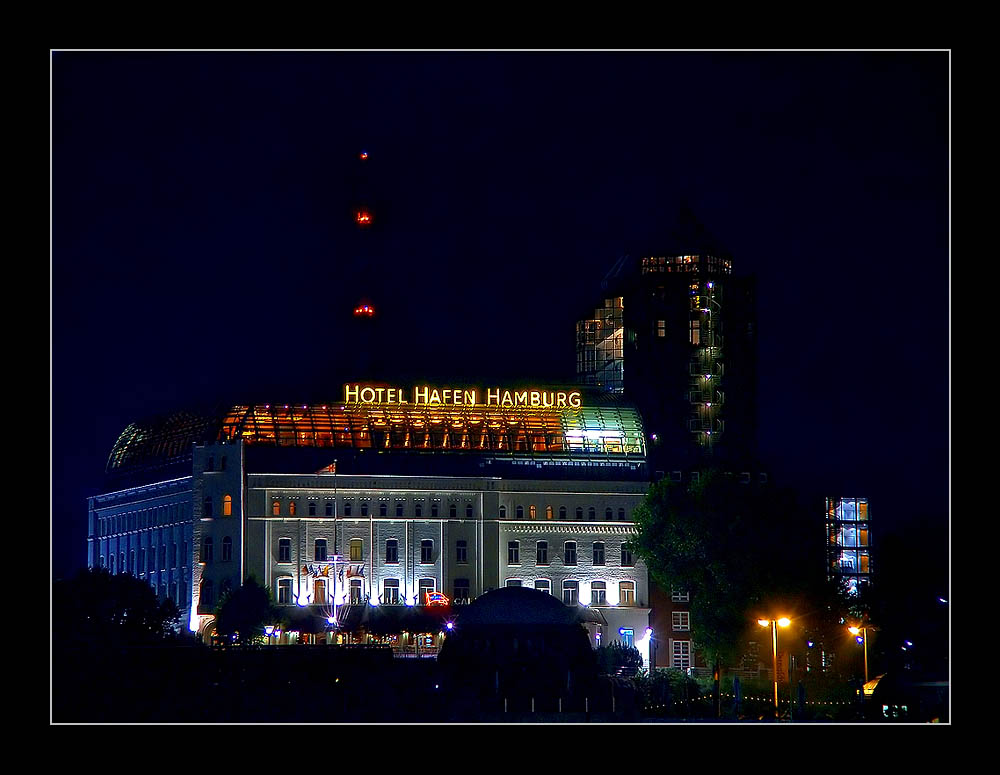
(202, 247)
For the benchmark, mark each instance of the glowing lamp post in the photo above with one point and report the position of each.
(774, 624)
(861, 635)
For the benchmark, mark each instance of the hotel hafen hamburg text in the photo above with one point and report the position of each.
(395, 497)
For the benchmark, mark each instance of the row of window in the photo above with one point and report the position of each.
(391, 557)
(208, 549)
(569, 553)
(139, 520)
(571, 591)
(383, 510)
(208, 509)
(319, 592)
(146, 560)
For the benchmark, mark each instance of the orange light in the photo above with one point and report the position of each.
(363, 217)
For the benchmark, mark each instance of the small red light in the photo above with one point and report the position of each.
(363, 217)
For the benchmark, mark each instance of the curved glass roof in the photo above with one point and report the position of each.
(604, 425)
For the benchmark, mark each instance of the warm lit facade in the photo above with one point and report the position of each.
(356, 504)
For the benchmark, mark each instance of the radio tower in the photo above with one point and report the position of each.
(365, 310)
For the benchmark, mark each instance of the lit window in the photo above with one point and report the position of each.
(276, 508)
(548, 512)
(426, 551)
(532, 512)
(626, 593)
(599, 553)
(319, 591)
(628, 637)
(227, 505)
(542, 553)
(291, 508)
(284, 550)
(356, 550)
(598, 593)
(391, 551)
(319, 550)
(661, 328)
(680, 620)
(571, 592)
(513, 553)
(461, 552)
(569, 553)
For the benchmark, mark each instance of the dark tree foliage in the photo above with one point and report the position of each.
(741, 550)
(610, 658)
(245, 611)
(95, 608)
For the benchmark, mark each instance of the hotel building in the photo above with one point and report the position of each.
(385, 501)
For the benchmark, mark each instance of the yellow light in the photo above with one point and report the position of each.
(764, 622)
(784, 621)
(854, 630)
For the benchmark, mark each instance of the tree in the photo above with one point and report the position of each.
(244, 612)
(95, 608)
(741, 550)
(610, 658)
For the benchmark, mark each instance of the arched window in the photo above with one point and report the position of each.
(548, 512)
(312, 508)
(452, 510)
(364, 509)
(519, 512)
(210, 465)
(503, 512)
(319, 550)
(207, 549)
(532, 511)
(399, 508)
(227, 549)
(347, 508)
(207, 506)
(291, 508)
(562, 512)
(417, 509)
(207, 593)
(579, 512)
(468, 511)
(608, 514)
(227, 505)
(621, 514)
(276, 508)
(434, 509)
(383, 509)
(329, 509)
(591, 513)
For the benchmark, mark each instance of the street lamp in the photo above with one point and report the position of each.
(784, 621)
(863, 640)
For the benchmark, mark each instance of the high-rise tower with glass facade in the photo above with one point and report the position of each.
(675, 333)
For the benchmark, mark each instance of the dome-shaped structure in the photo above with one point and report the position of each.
(516, 606)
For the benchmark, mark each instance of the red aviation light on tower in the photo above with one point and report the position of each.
(363, 217)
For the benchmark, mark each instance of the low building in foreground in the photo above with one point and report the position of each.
(357, 512)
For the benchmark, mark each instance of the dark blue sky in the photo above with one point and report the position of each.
(202, 247)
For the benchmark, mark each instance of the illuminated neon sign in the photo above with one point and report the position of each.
(456, 396)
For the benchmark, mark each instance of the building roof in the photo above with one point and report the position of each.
(604, 425)
(521, 606)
